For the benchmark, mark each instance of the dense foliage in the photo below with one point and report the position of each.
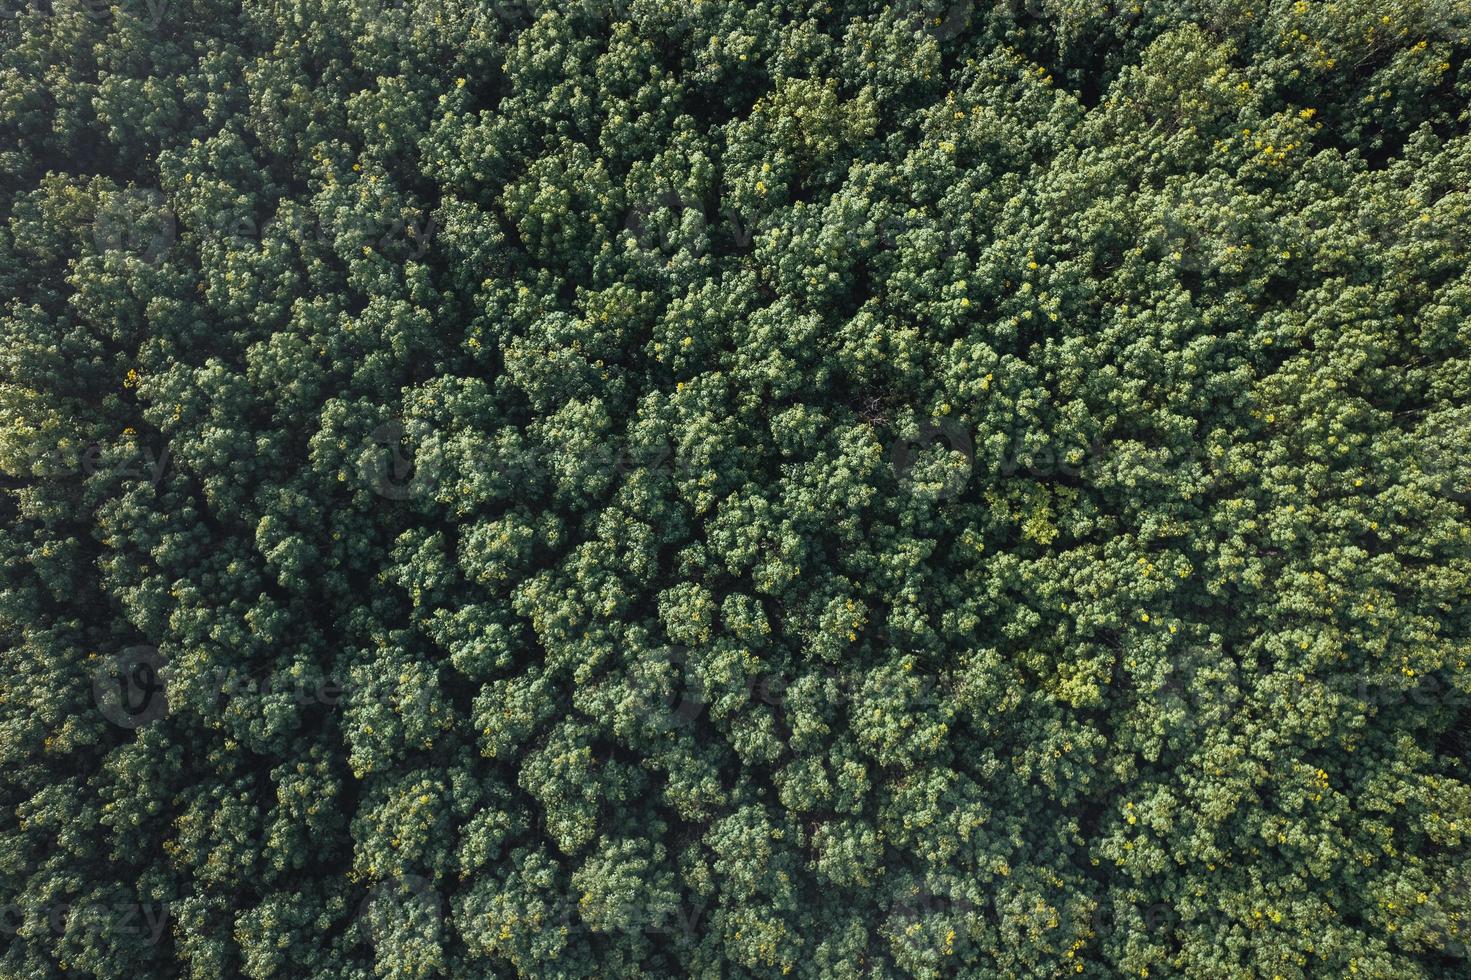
(699, 488)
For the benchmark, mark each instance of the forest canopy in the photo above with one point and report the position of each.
(690, 488)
